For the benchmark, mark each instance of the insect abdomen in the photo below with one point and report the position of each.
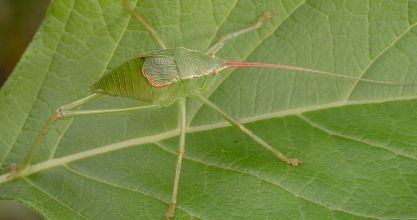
(125, 80)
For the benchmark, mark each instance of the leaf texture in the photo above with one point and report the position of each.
(358, 139)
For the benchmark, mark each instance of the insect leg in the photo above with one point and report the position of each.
(145, 24)
(182, 120)
(227, 117)
(219, 45)
(76, 113)
(15, 170)
(66, 111)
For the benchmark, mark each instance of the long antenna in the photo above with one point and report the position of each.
(238, 64)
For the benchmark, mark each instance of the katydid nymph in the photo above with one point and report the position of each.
(163, 78)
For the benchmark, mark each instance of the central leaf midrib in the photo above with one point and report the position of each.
(48, 164)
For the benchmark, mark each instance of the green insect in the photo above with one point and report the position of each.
(162, 78)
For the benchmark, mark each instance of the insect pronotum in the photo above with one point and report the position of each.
(164, 77)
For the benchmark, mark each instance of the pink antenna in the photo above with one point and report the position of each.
(239, 64)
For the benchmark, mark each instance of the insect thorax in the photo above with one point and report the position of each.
(193, 64)
(162, 68)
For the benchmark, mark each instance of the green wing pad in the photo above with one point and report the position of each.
(160, 69)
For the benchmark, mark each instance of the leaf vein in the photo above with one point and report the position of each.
(106, 64)
(209, 93)
(151, 195)
(52, 197)
(350, 92)
(172, 133)
(369, 143)
(259, 177)
(39, 88)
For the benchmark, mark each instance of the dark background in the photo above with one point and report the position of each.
(19, 20)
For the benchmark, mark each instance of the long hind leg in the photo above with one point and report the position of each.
(181, 148)
(277, 153)
(64, 112)
(219, 45)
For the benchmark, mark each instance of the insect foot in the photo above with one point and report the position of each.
(294, 161)
(170, 212)
(266, 15)
(289, 161)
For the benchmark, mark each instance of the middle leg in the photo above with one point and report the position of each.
(181, 149)
(231, 120)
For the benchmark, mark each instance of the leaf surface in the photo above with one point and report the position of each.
(358, 139)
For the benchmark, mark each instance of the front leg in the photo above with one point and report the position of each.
(219, 45)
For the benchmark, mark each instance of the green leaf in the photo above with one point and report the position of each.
(358, 140)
